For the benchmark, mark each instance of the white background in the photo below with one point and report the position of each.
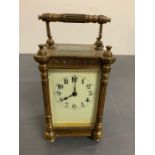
(119, 33)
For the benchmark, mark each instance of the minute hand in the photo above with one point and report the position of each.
(74, 91)
(75, 87)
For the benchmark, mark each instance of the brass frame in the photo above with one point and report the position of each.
(102, 60)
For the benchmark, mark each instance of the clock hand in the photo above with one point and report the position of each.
(74, 87)
(65, 98)
(73, 94)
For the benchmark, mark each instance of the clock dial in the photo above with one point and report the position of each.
(74, 96)
(74, 92)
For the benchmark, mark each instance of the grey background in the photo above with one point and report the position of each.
(118, 115)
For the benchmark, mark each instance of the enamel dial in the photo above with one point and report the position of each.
(74, 96)
(74, 92)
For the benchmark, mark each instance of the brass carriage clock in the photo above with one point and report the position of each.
(74, 81)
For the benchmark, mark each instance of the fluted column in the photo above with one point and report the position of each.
(105, 70)
(49, 132)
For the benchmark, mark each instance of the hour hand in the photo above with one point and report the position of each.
(65, 98)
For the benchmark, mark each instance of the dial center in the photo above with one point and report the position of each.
(74, 93)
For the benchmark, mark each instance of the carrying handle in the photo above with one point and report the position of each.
(74, 18)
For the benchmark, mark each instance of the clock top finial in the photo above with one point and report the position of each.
(108, 52)
(42, 50)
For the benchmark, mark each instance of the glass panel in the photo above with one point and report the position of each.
(74, 96)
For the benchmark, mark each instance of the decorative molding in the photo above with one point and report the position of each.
(73, 62)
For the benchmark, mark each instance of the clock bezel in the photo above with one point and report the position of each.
(100, 60)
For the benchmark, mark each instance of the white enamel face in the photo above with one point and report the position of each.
(74, 96)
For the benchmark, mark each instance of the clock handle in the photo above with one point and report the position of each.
(74, 18)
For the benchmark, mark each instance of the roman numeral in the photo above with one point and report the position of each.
(60, 86)
(58, 93)
(88, 86)
(87, 99)
(66, 105)
(90, 93)
(82, 81)
(74, 106)
(74, 78)
(65, 81)
(82, 104)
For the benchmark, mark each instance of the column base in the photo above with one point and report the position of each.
(97, 135)
(50, 136)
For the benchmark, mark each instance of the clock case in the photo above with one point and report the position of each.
(68, 56)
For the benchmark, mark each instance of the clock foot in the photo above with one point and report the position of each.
(97, 135)
(50, 136)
